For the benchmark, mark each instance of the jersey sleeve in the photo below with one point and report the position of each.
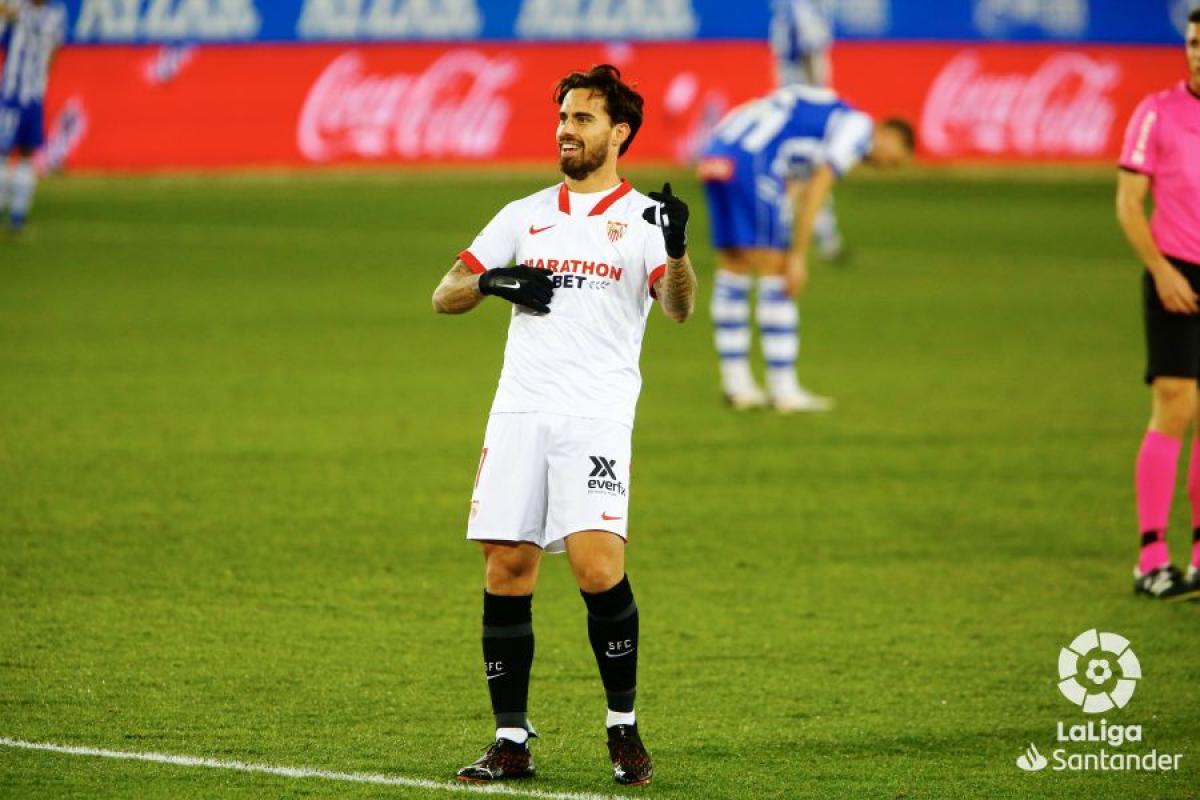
(655, 255)
(1139, 151)
(847, 140)
(496, 244)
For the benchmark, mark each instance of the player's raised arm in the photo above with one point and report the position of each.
(676, 290)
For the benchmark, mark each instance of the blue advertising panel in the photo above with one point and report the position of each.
(230, 21)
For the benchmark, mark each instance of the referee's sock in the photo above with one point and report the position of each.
(613, 632)
(1157, 464)
(508, 657)
(1193, 485)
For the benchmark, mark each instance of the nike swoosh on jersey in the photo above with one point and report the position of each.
(605, 516)
(535, 231)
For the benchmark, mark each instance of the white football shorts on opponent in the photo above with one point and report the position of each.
(544, 476)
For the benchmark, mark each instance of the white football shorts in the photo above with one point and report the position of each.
(543, 476)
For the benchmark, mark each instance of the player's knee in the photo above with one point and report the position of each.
(1173, 423)
(733, 260)
(509, 573)
(770, 262)
(1174, 406)
(599, 575)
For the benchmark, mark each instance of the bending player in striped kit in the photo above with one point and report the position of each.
(31, 35)
(767, 157)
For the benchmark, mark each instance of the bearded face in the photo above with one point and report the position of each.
(585, 134)
(577, 159)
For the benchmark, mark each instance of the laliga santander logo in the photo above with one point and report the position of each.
(1062, 108)
(1093, 683)
(1098, 672)
(454, 108)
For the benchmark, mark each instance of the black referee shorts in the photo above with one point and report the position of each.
(1172, 340)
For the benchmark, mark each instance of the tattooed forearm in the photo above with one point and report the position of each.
(458, 292)
(677, 289)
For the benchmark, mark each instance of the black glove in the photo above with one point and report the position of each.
(523, 286)
(671, 215)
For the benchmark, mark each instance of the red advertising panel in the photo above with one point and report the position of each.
(145, 108)
(148, 108)
(1008, 101)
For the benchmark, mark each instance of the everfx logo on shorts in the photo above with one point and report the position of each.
(603, 477)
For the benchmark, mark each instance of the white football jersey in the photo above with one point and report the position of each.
(30, 42)
(581, 359)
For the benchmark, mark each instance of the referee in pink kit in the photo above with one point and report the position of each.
(1161, 156)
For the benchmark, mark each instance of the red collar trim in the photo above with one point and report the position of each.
(616, 194)
(564, 198)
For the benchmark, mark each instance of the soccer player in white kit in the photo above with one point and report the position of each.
(31, 32)
(592, 256)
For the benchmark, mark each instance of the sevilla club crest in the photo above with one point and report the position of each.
(616, 230)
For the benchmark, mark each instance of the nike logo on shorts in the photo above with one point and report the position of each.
(607, 518)
(535, 231)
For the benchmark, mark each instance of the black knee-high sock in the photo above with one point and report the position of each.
(508, 656)
(613, 631)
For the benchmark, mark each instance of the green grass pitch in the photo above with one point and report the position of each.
(237, 446)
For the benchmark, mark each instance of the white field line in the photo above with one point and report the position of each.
(299, 772)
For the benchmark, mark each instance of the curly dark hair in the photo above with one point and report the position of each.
(621, 100)
(1195, 15)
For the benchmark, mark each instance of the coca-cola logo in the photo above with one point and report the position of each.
(165, 64)
(1063, 107)
(455, 108)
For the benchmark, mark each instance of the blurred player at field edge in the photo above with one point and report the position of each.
(1161, 157)
(800, 39)
(801, 36)
(33, 32)
(767, 171)
(592, 256)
